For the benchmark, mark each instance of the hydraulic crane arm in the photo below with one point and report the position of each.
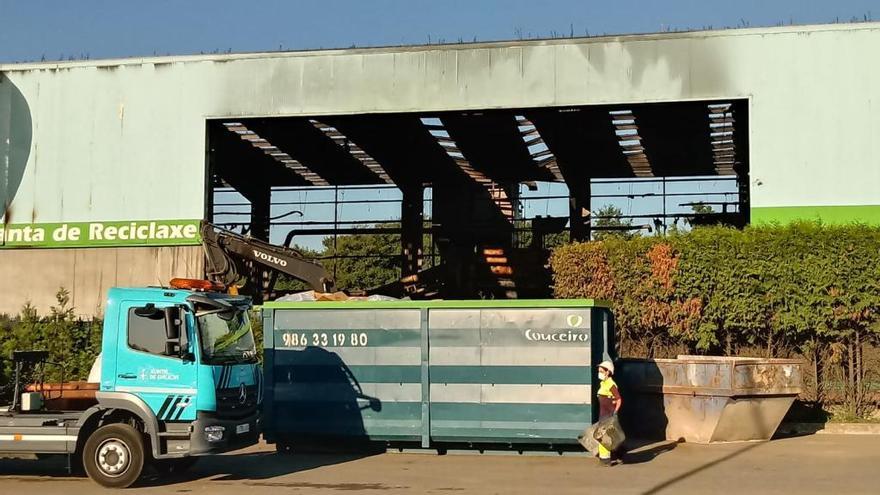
(227, 253)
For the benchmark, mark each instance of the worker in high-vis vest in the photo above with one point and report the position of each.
(609, 402)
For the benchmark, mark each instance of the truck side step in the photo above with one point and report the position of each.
(174, 434)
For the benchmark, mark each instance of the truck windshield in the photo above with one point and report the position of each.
(227, 341)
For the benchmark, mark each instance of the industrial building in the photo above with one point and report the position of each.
(107, 167)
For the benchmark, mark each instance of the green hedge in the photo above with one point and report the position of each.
(803, 289)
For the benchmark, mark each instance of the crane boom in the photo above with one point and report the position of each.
(227, 253)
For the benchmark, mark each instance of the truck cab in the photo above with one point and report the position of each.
(179, 378)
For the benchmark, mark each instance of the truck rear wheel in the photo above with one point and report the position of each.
(114, 456)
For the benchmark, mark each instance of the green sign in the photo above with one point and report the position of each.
(100, 234)
(869, 214)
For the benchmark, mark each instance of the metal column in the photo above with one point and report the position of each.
(579, 210)
(411, 238)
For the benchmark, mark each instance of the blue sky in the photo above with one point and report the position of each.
(33, 29)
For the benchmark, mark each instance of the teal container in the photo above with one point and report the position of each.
(500, 371)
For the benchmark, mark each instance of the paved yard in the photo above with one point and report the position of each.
(803, 465)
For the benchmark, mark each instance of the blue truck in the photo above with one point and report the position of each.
(178, 377)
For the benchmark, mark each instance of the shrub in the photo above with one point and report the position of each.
(802, 289)
(72, 343)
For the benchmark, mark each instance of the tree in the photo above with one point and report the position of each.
(526, 235)
(363, 261)
(72, 343)
(611, 216)
(359, 261)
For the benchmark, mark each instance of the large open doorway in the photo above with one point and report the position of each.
(466, 204)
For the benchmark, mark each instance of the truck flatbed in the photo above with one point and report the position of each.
(44, 432)
(38, 416)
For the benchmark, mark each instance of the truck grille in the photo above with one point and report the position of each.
(231, 405)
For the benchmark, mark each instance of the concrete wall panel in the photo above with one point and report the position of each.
(35, 275)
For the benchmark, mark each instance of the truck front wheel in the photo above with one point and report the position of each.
(114, 456)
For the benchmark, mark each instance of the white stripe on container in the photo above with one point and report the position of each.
(511, 393)
(510, 356)
(520, 425)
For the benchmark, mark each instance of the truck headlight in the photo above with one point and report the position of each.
(214, 433)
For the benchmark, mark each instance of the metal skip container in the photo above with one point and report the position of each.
(705, 399)
(429, 372)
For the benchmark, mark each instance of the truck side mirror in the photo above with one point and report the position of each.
(172, 323)
(148, 311)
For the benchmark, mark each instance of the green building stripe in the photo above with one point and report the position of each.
(100, 234)
(869, 214)
(564, 375)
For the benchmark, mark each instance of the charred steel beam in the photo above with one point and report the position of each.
(264, 144)
(244, 167)
(582, 140)
(630, 142)
(494, 145)
(409, 154)
(541, 154)
(676, 137)
(306, 144)
(495, 192)
(352, 149)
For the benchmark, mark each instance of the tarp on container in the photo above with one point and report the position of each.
(334, 296)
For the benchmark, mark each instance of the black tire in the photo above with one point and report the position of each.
(174, 466)
(113, 456)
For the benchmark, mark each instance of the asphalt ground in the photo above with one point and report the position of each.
(845, 464)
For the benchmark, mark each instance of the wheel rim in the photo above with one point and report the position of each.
(113, 457)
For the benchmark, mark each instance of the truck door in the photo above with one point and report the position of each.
(146, 367)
